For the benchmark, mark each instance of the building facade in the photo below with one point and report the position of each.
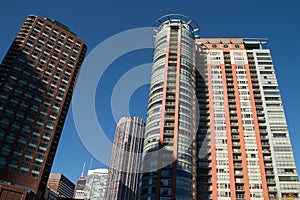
(79, 189)
(95, 184)
(125, 161)
(169, 147)
(61, 185)
(37, 79)
(50, 194)
(15, 193)
(215, 124)
(243, 136)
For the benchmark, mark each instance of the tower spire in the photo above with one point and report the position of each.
(83, 167)
(91, 163)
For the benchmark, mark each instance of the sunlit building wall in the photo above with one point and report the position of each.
(232, 142)
(95, 184)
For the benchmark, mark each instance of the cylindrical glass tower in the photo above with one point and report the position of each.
(169, 148)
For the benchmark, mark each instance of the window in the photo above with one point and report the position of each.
(279, 135)
(34, 175)
(165, 191)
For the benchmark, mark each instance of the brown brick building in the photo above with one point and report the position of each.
(61, 185)
(37, 78)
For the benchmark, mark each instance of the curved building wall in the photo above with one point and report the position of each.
(170, 127)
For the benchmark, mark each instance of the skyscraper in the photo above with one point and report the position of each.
(95, 184)
(215, 123)
(125, 161)
(169, 147)
(80, 185)
(61, 185)
(243, 124)
(79, 189)
(37, 79)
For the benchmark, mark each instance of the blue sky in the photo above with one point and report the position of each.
(95, 21)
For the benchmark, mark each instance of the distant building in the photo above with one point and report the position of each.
(125, 161)
(79, 189)
(95, 184)
(61, 185)
(50, 194)
(37, 78)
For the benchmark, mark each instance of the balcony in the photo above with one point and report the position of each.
(269, 172)
(268, 165)
(239, 180)
(233, 125)
(238, 172)
(259, 107)
(170, 110)
(205, 118)
(235, 137)
(267, 158)
(239, 188)
(171, 125)
(232, 106)
(271, 181)
(231, 96)
(263, 130)
(266, 144)
(237, 164)
(169, 117)
(230, 80)
(171, 96)
(253, 74)
(170, 103)
(236, 144)
(273, 189)
(167, 133)
(233, 118)
(264, 137)
(173, 90)
(234, 130)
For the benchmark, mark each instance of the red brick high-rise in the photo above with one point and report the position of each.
(37, 78)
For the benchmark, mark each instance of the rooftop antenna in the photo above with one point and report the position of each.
(82, 173)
